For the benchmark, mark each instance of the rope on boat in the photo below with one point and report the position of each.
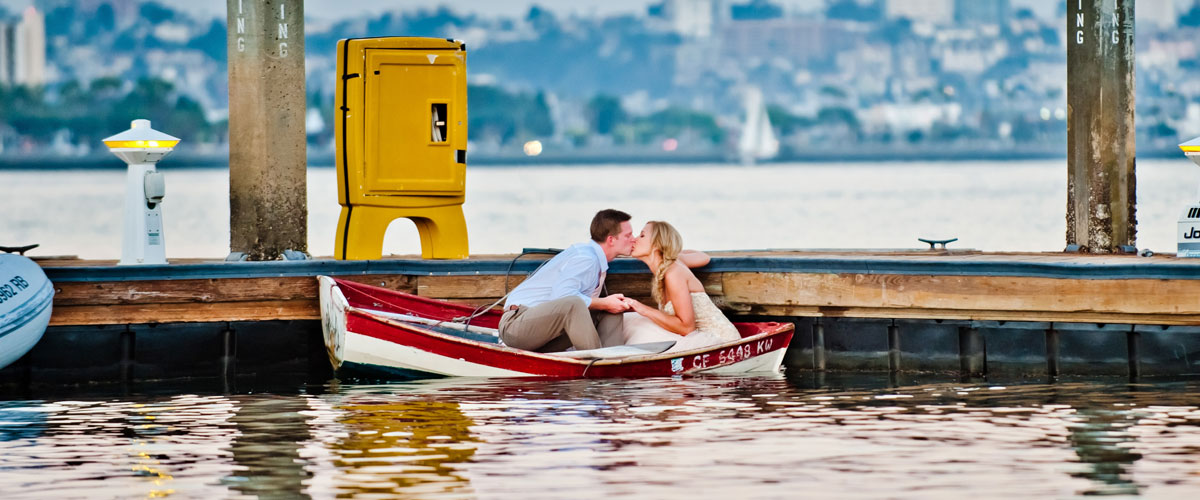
(479, 311)
(589, 365)
(409, 318)
(464, 322)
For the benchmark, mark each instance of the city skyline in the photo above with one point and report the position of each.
(948, 76)
(330, 10)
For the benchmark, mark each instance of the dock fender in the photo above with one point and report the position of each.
(26, 299)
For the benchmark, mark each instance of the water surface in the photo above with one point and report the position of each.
(988, 205)
(714, 437)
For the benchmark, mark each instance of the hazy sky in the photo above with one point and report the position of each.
(334, 9)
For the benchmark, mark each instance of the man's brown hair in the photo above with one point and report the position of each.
(607, 223)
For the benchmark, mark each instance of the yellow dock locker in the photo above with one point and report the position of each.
(401, 144)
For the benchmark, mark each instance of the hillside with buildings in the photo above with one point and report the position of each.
(842, 79)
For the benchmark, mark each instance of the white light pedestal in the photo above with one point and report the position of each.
(1188, 230)
(141, 147)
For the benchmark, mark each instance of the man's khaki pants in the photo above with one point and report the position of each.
(556, 325)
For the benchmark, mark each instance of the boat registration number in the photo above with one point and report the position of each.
(12, 288)
(732, 354)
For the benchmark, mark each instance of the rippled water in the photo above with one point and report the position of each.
(651, 438)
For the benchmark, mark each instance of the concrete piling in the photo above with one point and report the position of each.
(268, 209)
(1101, 212)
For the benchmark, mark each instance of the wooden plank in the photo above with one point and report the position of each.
(1138, 301)
(466, 286)
(209, 291)
(1131, 297)
(400, 282)
(631, 285)
(484, 286)
(186, 312)
(638, 285)
(181, 291)
(714, 283)
(965, 315)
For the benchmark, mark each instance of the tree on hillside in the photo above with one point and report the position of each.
(605, 113)
(507, 116)
(673, 122)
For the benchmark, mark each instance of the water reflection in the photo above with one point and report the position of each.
(89, 448)
(270, 430)
(1101, 440)
(20, 421)
(387, 445)
(843, 436)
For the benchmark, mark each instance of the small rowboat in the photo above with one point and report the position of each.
(25, 302)
(378, 332)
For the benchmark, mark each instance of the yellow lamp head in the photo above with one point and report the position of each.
(1192, 150)
(141, 144)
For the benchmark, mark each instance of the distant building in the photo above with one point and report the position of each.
(23, 50)
(931, 11)
(755, 10)
(6, 52)
(124, 13)
(29, 48)
(981, 11)
(1163, 14)
(687, 18)
(795, 39)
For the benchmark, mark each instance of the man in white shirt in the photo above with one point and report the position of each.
(559, 299)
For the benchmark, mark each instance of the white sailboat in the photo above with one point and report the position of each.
(758, 140)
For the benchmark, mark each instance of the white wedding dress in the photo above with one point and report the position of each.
(712, 327)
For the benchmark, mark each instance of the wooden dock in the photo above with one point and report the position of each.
(1159, 290)
(971, 312)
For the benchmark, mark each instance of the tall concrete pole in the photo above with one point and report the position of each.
(1101, 208)
(268, 209)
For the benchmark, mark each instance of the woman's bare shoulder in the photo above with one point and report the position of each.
(678, 273)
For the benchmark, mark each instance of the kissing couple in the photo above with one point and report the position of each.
(560, 306)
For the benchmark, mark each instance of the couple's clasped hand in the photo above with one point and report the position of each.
(634, 305)
(619, 303)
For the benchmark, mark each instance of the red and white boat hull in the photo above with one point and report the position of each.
(359, 340)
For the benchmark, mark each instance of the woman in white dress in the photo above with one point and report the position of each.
(685, 314)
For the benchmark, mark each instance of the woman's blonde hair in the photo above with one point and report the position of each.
(666, 242)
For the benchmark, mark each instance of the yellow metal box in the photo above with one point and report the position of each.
(402, 143)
